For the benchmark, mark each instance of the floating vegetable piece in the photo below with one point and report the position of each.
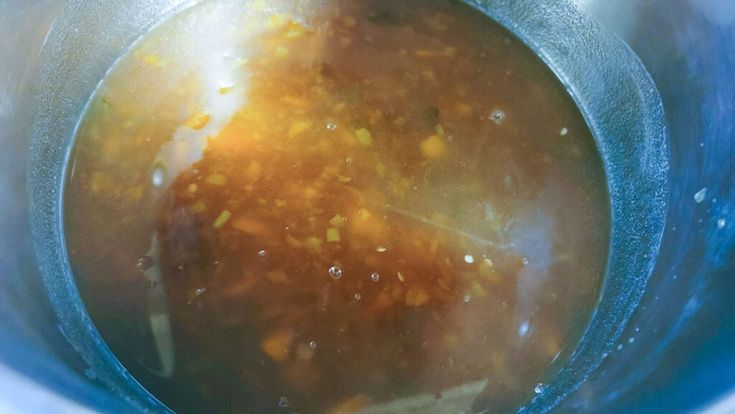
(434, 147)
(337, 221)
(251, 226)
(277, 276)
(281, 52)
(198, 207)
(299, 127)
(198, 121)
(364, 137)
(277, 345)
(333, 235)
(350, 405)
(217, 179)
(222, 219)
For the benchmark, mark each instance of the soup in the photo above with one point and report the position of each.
(335, 207)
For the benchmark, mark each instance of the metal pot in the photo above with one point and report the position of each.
(654, 81)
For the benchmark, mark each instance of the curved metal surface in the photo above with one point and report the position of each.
(678, 352)
(81, 46)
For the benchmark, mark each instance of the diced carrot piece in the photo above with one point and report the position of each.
(154, 61)
(251, 227)
(254, 171)
(216, 179)
(417, 297)
(434, 147)
(366, 225)
(277, 345)
(242, 287)
(277, 276)
(299, 127)
(198, 121)
(350, 405)
(383, 300)
(276, 21)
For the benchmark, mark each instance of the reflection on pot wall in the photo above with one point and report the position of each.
(677, 350)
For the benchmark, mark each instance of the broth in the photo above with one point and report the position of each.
(328, 207)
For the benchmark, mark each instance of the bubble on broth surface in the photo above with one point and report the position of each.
(335, 272)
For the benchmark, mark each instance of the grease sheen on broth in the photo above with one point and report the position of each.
(328, 207)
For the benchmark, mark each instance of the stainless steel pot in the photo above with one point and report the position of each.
(663, 336)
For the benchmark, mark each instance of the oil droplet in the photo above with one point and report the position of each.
(563, 131)
(469, 259)
(381, 249)
(358, 296)
(331, 126)
(700, 195)
(262, 253)
(375, 277)
(283, 402)
(467, 298)
(539, 388)
(312, 344)
(525, 261)
(498, 117)
(335, 272)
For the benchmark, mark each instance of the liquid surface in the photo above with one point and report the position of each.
(332, 207)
